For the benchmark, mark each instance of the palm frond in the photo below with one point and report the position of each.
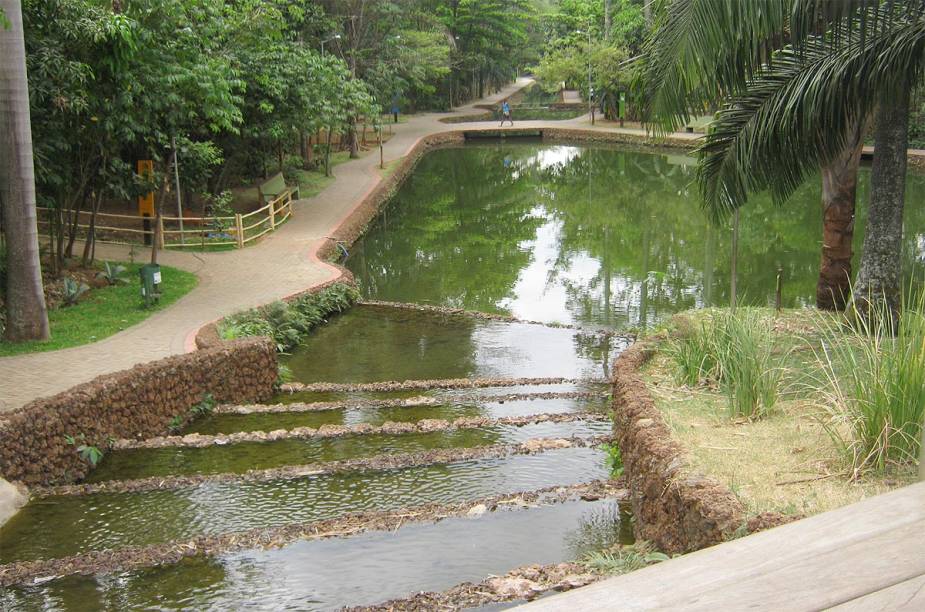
(702, 50)
(801, 112)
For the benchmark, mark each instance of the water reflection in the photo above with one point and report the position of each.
(591, 235)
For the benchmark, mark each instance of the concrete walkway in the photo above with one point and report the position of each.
(282, 264)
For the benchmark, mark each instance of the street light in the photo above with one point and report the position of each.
(590, 87)
(335, 37)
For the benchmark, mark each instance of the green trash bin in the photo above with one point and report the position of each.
(150, 283)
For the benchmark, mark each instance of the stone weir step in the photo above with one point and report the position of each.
(327, 574)
(98, 562)
(75, 519)
(248, 451)
(227, 419)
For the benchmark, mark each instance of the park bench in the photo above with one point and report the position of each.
(274, 187)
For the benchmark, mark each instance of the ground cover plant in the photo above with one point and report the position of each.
(830, 438)
(89, 315)
(287, 323)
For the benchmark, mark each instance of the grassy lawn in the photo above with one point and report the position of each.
(106, 311)
(786, 461)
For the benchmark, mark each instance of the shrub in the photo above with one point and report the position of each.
(72, 291)
(614, 459)
(874, 381)
(287, 323)
(112, 274)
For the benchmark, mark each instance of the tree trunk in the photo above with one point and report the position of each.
(607, 22)
(839, 189)
(878, 282)
(26, 314)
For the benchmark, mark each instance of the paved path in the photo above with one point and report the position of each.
(283, 263)
(866, 556)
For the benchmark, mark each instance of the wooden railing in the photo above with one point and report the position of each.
(235, 231)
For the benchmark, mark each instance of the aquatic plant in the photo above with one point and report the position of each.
(622, 559)
(613, 460)
(89, 453)
(874, 383)
(204, 407)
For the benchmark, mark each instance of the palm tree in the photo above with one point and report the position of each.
(801, 111)
(706, 52)
(26, 315)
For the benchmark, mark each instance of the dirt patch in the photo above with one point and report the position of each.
(292, 472)
(195, 440)
(130, 558)
(411, 402)
(675, 508)
(428, 385)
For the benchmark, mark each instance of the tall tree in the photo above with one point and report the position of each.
(800, 112)
(27, 318)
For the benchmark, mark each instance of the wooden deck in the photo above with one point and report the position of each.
(867, 556)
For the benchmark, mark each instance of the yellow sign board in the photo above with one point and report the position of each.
(146, 202)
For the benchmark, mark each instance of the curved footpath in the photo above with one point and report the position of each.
(283, 263)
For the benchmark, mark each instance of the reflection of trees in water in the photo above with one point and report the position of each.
(631, 245)
(454, 231)
(598, 529)
(370, 344)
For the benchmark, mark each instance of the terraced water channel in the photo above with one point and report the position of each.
(344, 491)
(534, 424)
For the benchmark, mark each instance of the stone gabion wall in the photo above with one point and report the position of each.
(676, 509)
(135, 403)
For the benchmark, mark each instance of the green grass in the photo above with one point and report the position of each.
(874, 381)
(106, 311)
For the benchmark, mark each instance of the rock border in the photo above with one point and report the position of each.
(389, 428)
(433, 384)
(675, 508)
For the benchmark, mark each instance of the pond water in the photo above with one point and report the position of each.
(376, 415)
(590, 235)
(243, 456)
(375, 343)
(109, 520)
(311, 575)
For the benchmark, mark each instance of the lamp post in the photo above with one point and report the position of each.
(590, 86)
(335, 37)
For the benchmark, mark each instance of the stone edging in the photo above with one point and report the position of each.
(676, 509)
(389, 428)
(411, 402)
(428, 385)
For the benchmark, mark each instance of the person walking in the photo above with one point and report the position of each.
(506, 113)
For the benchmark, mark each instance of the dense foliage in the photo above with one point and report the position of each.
(589, 44)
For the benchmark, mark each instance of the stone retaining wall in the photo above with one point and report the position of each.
(675, 509)
(135, 403)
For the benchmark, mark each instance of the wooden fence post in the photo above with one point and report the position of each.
(239, 230)
(272, 214)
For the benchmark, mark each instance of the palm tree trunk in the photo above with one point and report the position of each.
(839, 191)
(878, 282)
(26, 314)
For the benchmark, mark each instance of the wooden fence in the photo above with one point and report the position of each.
(230, 231)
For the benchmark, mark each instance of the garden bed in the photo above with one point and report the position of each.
(788, 461)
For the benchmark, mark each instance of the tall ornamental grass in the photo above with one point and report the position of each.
(874, 384)
(735, 351)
